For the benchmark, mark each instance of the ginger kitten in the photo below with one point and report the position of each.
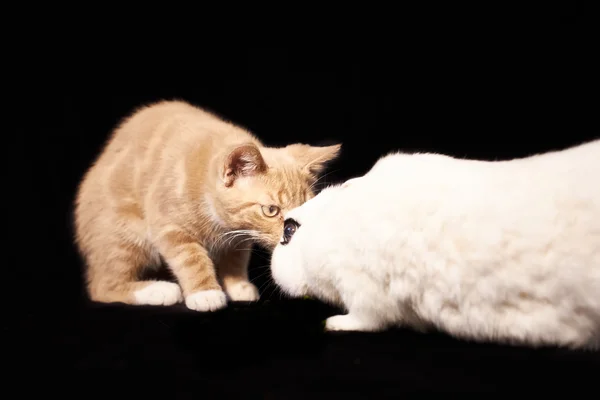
(175, 183)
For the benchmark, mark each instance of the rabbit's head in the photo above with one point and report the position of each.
(305, 245)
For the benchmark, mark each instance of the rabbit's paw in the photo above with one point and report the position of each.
(346, 322)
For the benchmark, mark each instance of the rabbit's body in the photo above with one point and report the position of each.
(497, 251)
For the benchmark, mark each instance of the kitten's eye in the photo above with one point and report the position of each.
(270, 211)
(290, 227)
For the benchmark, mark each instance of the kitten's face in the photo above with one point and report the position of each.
(268, 185)
(259, 203)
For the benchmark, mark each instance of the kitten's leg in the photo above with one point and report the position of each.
(233, 271)
(194, 269)
(112, 272)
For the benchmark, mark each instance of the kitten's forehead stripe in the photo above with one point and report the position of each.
(240, 207)
(293, 190)
(301, 194)
(280, 195)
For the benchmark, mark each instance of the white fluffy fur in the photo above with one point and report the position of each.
(505, 251)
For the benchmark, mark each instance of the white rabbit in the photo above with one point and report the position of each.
(505, 251)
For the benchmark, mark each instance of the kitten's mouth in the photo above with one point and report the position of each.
(267, 242)
(238, 237)
(241, 236)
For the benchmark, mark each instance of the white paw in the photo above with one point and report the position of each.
(159, 293)
(243, 291)
(206, 300)
(344, 323)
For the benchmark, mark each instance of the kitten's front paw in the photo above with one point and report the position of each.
(159, 293)
(345, 323)
(206, 300)
(243, 291)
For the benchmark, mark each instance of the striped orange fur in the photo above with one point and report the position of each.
(178, 184)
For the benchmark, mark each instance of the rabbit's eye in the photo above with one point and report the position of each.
(289, 228)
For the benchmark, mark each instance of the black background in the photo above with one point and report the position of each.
(510, 89)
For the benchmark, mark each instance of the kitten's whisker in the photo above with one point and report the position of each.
(244, 240)
(322, 177)
(266, 284)
(227, 239)
(266, 258)
(276, 289)
(259, 276)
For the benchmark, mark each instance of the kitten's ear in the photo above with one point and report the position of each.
(244, 160)
(313, 159)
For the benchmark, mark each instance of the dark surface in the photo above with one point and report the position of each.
(487, 91)
(275, 349)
